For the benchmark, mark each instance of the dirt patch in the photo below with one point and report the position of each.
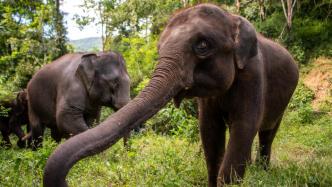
(319, 80)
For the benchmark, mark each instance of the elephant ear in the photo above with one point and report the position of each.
(86, 70)
(22, 97)
(245, 42)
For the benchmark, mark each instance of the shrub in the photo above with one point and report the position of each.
(179, 122)
(301, 97)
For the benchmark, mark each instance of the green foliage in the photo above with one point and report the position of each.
(301, 155)
(272, 26)
(140, 55)
(30, 37)
(300, 107)
(176, 121)
(152, 160)
(4, 111)
(301, 97)
(105, 112)
(298, 52)
(310, 38)
(310, 35)
(21, 167)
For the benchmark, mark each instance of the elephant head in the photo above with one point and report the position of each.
(105, 78)
(200, 52)
(21, 102)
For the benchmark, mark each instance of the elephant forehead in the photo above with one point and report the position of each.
(184, 32)
(175, 35)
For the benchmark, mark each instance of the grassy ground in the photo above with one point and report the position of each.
(302, 156)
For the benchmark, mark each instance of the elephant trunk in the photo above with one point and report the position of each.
(165, 83)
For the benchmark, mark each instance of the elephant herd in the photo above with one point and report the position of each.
(242, 82)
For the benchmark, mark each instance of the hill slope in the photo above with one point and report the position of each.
(87, 44)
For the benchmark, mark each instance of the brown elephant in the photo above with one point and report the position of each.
(67, 94)
(16, 117)
(239, 77)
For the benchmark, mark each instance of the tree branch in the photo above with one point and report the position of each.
(284, 8)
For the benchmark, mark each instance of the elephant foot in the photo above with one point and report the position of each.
(21, 144)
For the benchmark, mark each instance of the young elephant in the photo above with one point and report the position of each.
(16, 117)
(67, 94)
(239, 77)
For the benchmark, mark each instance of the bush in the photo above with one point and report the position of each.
(301, 97)
(272, 26)
(179, 122)
(140, 55)
(298, 52)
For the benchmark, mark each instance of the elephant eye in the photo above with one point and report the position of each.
(202, 48)
(202, 45)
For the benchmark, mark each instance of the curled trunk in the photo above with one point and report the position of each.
(163, 86)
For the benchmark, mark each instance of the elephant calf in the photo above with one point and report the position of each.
(67, 94)
(16, 116)
(239, 77)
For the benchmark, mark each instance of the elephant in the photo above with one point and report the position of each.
(242, 81)
(16, 117)
(67, 94)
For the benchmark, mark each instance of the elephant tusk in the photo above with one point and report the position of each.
(27, 136)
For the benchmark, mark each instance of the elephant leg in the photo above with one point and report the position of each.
(56, 135)
(265, 144)
(126, 140)
(6, 139)
(37, 132)
(28, 130)
(20, 134)
(212, 130)
(71, 124)
(237, 155)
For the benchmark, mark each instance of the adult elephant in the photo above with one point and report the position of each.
(239, 77)
(67, 94)
(16, 116)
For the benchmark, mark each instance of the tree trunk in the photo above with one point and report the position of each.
(261, 10)
(289, 12)
(238, 6)
(60, 30)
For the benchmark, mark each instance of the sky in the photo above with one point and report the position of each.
(71, 7)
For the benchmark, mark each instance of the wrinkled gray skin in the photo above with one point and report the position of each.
(67, 94)
(239, 77)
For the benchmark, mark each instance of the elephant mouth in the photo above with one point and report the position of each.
(185, 93)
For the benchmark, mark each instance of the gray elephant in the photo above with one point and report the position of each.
(67, 94)
(242, 80)
(15, 118)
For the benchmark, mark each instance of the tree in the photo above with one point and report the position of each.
(60, 35)
(289, 12)
(31, 34)
(261, 9)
